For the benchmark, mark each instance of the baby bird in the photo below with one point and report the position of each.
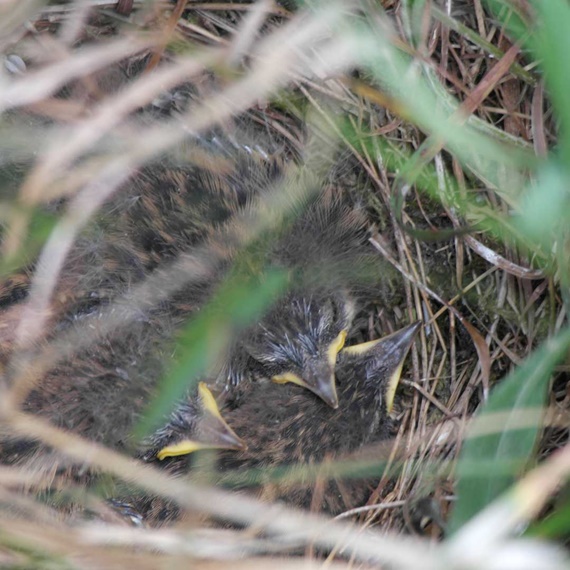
(298, 339)
(191, 200)
(285, 426)
(167, 211)
(202, 424)
(102, 394)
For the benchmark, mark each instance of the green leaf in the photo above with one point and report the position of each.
(505, 431)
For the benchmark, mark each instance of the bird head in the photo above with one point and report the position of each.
(195, 424)
(299, 340)
(382, 358)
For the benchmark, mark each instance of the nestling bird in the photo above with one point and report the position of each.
(286, 426)
(298, 339)
(203, 426)
(178, 203)
(166, 211)
(102, 394)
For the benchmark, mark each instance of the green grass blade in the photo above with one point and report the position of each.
(552, 45)
(516, 402)
(557, 525)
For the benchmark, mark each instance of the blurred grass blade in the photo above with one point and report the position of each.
(238, 301)
(42, 224)
(435, 112)
(514, 17)
(552, 45)
(519, 397)
(541, 219)
(557, 525)
(302, 474)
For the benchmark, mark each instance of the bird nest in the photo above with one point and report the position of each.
(158, 163)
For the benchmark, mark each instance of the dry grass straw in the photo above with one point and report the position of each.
(483, 313)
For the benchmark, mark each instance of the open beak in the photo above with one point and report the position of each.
(392, 351)
(399, 344)
(212, 431)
